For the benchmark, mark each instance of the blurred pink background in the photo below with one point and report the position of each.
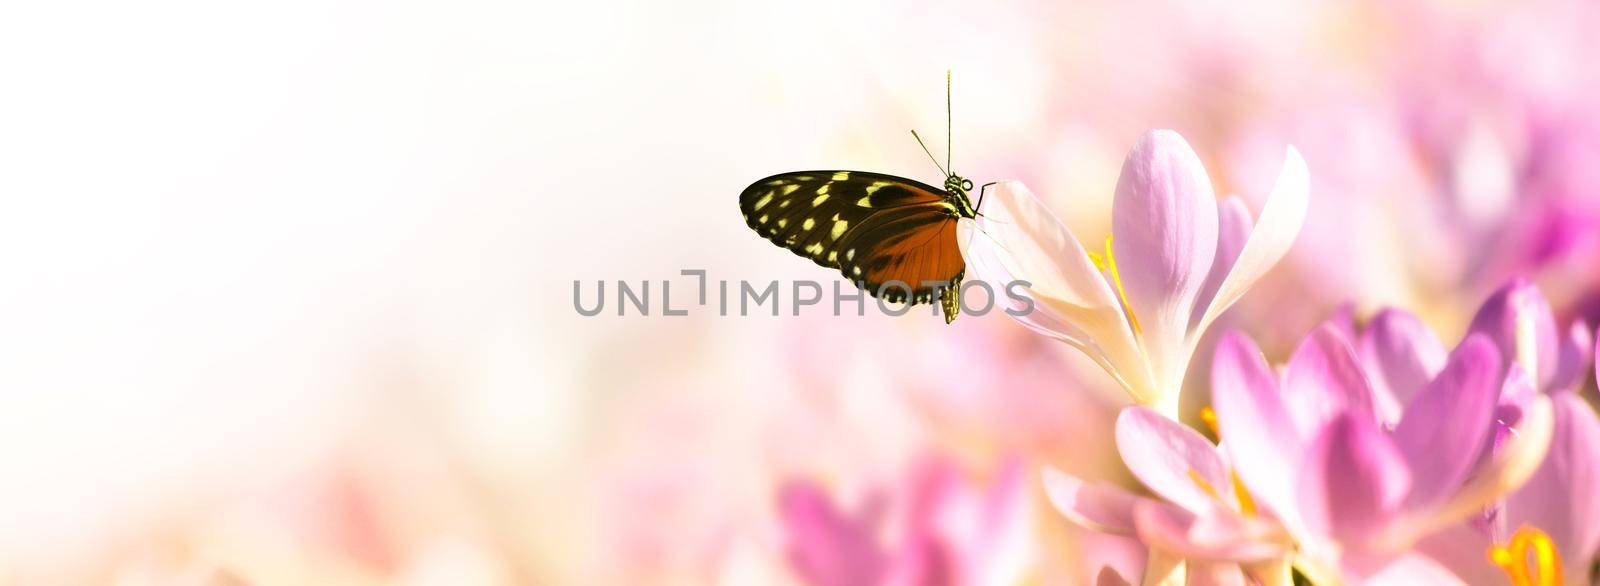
(288, 294)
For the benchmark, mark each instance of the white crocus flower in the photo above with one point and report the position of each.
(1178, 259)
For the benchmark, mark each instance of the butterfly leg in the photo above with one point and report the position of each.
(978, 209)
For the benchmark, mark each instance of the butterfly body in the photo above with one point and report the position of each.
(894, 237)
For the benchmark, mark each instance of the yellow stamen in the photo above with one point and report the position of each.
(1208, 416)
(1247, 504)
(1513, 558)
(1111, 261)
(1204, 486)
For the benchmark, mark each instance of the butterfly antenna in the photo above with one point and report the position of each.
(948, 150)
(930, 153)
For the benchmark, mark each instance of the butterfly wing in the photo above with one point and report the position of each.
(908, 250)
(876, 229)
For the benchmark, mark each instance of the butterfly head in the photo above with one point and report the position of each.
(958, 187)
(957, 184)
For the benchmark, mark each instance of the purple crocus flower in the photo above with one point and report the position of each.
(1200, 525)
(1559, 507)
(1357, 492)
(1307, 474)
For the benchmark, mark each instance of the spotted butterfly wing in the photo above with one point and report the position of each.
(894, 237)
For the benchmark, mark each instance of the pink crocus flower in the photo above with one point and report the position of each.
(1307, 475)
(1559, 507)
(1178, 259)
(938, 530)
(1193, 487)
(1357, 492)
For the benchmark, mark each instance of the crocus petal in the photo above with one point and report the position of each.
(1354, 481)
(1324, 379)
(1412, 568)
(1164, 220)
(1162, 568)
(1517, 460)
(1518, 318)
(1444, 429)
(1277, 572)
(1023, 304)
(1020, 237)
(825, 546)
(982, 255)
(1203, 573)
(1563, 496)
(1572, 366)
(1516, 396)
(1401, 355)
(1171, 459)
(1261, 439)
(1004, 506)
(921, 559)
(1000, 549)
(1099, 507)
(1109, 576)
(1219, 534)
(1274, 233)
(1233, 229)
(1102, 556)
(1462, 548)
(932, 487)
(1343, 319)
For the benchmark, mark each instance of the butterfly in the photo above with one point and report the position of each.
(894, 237)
